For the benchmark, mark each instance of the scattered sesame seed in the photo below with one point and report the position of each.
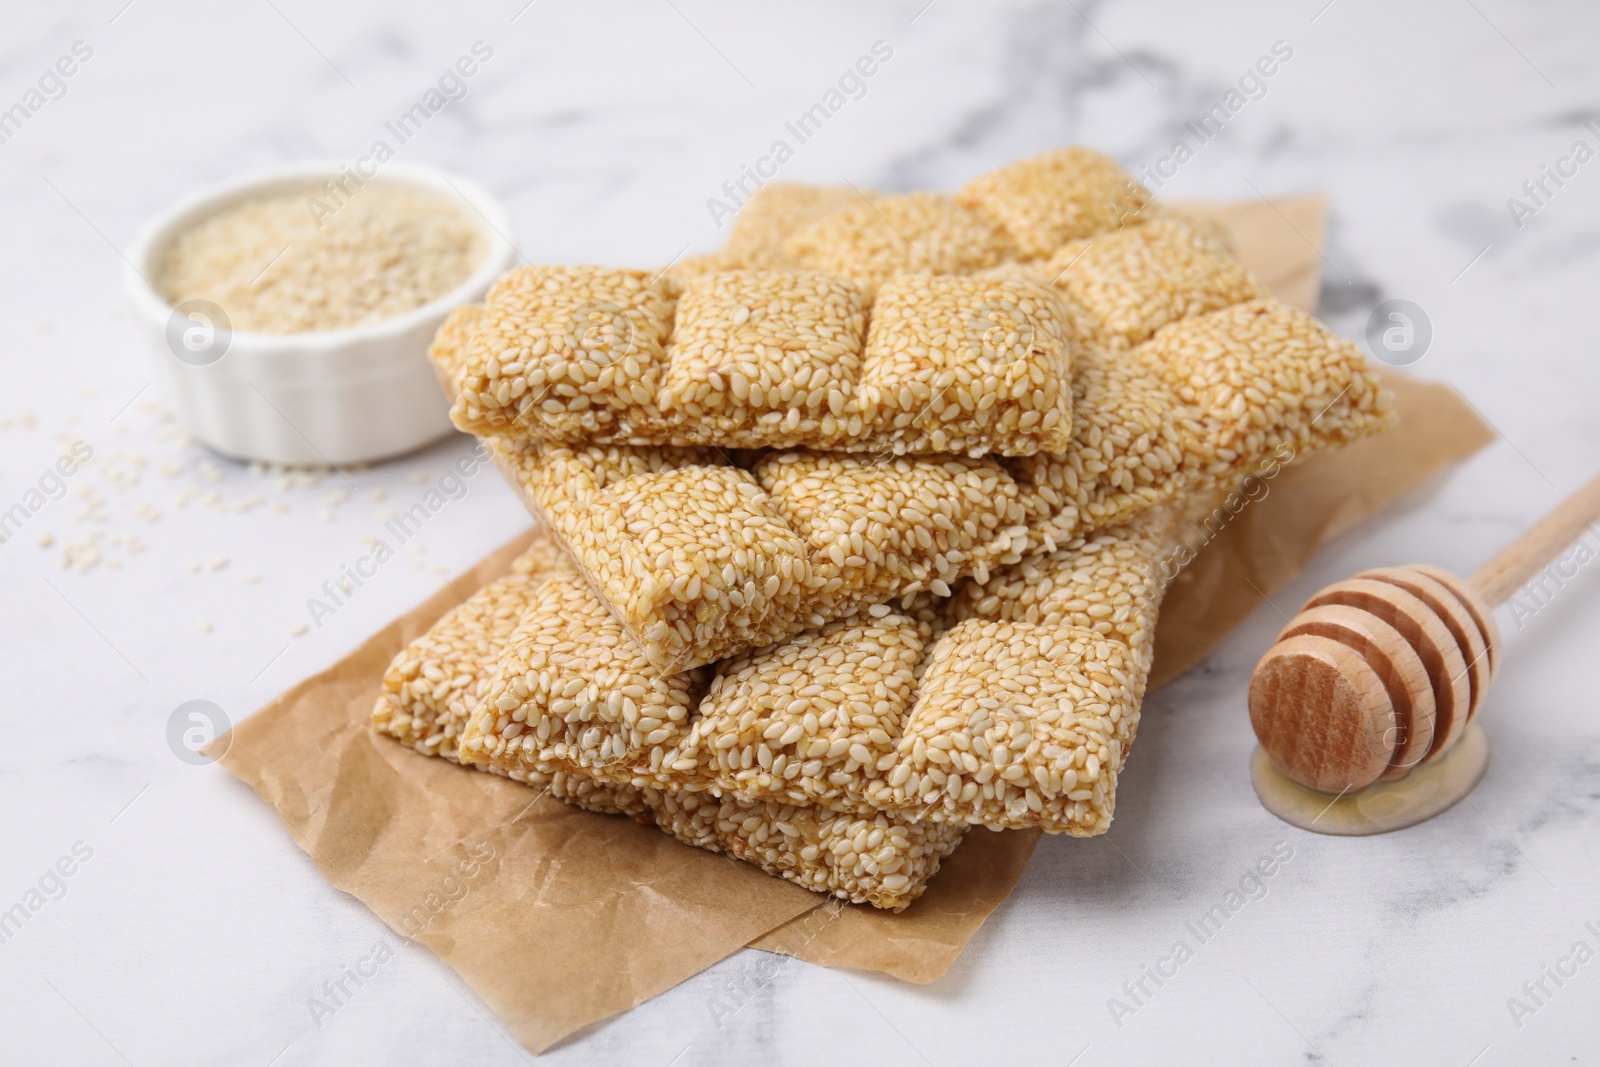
(81, 556)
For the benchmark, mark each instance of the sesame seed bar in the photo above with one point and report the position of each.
(701, 558)
(833, 319)
(872, 241)
(434, 684)
(436, 681)
(1018, 710)
(777, 210)
(1010, 705)
(1024, 212)
(766, 359)
(1044, 201)
(872, 858)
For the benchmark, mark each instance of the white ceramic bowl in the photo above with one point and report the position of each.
(326, 397)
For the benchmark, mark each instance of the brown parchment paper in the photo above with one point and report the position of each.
(559, 918)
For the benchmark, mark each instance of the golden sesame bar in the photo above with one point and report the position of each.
(447, 350)
(1127, 287)
(1019, 714)
(872, 241)
(779, 209)
(436, 681)
(701, 559)
(764, 359)
(868, 858)
(1023, 212)
(833, 318)
(1044, 201)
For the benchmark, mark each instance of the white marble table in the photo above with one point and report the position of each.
(195, 931)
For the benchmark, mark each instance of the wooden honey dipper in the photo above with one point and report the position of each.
(1379, 678)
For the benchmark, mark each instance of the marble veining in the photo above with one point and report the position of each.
(191, 930)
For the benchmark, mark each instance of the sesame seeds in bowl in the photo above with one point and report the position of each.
(289, 312)
(288, 263)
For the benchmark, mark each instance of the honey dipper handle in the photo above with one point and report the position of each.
(1528, 554)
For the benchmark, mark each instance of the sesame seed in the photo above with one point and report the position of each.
(276, 268)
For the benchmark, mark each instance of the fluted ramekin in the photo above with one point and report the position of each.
(326, 397)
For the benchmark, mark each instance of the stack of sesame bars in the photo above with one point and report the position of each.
(853, 533)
